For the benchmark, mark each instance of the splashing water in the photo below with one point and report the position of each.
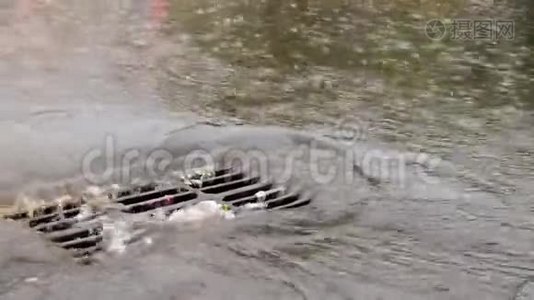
(255, 206)
(201, 211)
(85, 213)
(26, 203)
(117, 234)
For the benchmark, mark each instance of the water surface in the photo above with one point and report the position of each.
(73, 72)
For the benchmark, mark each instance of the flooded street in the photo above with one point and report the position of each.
(64, 88)
(354, 76)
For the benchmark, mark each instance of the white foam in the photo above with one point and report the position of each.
(26, 203)
(116, 235)
(261, 195)
(94, 191)
(201, 211)
(85, 212)
(159, 215)
(255, 206)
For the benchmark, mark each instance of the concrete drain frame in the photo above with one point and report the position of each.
(81, 233)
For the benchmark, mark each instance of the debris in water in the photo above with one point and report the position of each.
(198, 176)
(31, 279)
(226, 207)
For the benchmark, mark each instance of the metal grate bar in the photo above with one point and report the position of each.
(160, 202)
(81, 252)
(128, 200)
(74, 232)
(87, 242)
(61, 224)
(300, 202)
(50, 217)
(227, 186)
(283, 200)
(222, 179)
(269, 194)
(247, 191)
(137, 190)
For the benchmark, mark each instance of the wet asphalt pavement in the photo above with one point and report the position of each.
(75, 72)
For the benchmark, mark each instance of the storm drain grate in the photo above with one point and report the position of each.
(81, 232)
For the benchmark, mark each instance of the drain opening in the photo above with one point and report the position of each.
(232, 185)
(247, 192)
(81, 243)
(54, 216)
(221, 179)
(73, 229)
(132, 198)
(124, 192)
(75, 233)
(164, 201)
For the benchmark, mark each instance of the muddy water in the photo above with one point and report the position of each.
(73, 72)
